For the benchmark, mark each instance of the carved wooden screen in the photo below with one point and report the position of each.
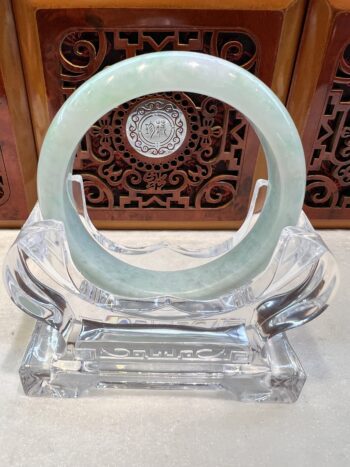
(320, 104)
(208, 178)
(328, 185)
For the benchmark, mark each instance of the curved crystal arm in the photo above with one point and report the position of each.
(295, 288)
(143, 249)
(189, 72)
(302, 304)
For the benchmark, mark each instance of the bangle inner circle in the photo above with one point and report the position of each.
(166, 72)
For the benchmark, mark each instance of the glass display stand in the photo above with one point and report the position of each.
(87, 340)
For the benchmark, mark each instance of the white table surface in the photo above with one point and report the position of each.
(146, 428)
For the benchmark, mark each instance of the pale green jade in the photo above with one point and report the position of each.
(188, 72)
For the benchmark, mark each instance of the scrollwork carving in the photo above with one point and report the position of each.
(217, 191)
(82, 54)
(96, 192)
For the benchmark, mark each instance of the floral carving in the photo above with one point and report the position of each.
(210, 131)
(103, 131)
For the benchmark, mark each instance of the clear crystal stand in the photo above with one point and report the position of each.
(87, 340)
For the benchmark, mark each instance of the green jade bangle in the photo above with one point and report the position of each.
(163, 72)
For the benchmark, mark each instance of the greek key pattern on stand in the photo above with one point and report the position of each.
(328, 181)
(203, 171)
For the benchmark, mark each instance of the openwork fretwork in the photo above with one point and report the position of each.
(204, 173)
(329, 166)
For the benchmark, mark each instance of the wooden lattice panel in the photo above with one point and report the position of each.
(320, 104)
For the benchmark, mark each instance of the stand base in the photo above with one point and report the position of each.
(103, 358)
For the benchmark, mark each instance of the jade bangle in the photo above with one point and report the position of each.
(162, 72)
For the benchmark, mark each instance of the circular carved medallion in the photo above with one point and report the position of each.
(156, 128)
